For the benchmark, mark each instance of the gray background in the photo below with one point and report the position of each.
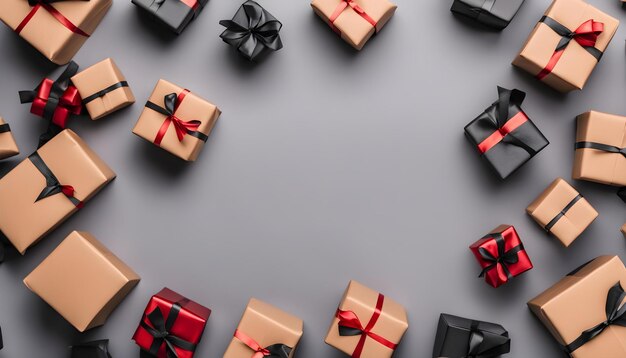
(326, 165)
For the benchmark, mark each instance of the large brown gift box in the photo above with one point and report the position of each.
(600, 138)
(578, 303)
(359, 20)
(364, 305)
(33, 203)
(265, 329)
(562, 211)
(56, 29)
(8, 147)
(82, 280)
(103, 88)
(571, 70)
(182, 129)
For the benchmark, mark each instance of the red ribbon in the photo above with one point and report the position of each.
(55, 13)
(586, 35)
(193, 4)
(343, 4)
(69, 103)
(68, 191)
(349, 319)
(260, 352)
(181, 126)
(496, 137)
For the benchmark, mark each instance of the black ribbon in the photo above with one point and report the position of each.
(603, 147)
(504, 257)
(156, 5)
(566, 36)
(105, 91)
(94, 349)
(615, 315)
(160, 331)
(563, 212)
(278, 351)
(5, 128)
(53, 186)
(170, 102)
(251, 30)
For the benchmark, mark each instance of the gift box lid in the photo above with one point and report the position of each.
(454, 336)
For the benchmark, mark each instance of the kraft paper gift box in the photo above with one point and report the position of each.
(360, 307)
(562, 211)
(82, 280)
(588, 299)
(103, 89)
(600, 139)
(267, 330)
(177, 120)
(171, 326)
(566, 44)
(56, 29)
(48, 187)
(8, 147)
(176, 15)
(496, 14)
(355, 20)
(459, 337)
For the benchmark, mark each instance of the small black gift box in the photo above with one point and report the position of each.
(175, 14)
(504, 135)
(459, 337)
(94, 349)
(493, 13)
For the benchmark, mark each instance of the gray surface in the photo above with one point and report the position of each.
(326, 165)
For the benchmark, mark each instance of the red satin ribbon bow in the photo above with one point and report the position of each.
(181, 127)
(343, 4)
(259, 352)
(586, 35)
(69, 103)
(496, 137)
(55, 13)
(350, 320)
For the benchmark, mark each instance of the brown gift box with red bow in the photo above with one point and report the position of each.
(566, 45)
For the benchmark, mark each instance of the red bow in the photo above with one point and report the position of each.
(260, 352)
(343, 4)
(55, 13)
(69, 103)
(172, 102)
(587, 33)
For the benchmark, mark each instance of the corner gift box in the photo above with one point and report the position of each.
(459, 337)
(82, 280)
(48, 187)
(56, 29)
(585, 311)
(8, 147)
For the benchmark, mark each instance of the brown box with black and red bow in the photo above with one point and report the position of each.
(501, 255)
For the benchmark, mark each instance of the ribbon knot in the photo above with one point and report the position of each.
(182, 128)
(53, 186)
(274, 351)
(159, 329)
(587, 33)
(504, 258)
(343, 4)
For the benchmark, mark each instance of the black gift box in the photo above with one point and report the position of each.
(94, 349)
(493, 13)
(520, 138)
(175, 14)
(459, 337)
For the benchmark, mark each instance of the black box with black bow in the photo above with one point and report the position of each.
(496, 14)
(175, 14)
(459, 337)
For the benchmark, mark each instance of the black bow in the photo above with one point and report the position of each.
(53, 186)
(252, 30)
(94, 349)
(160, 331)
(103, 92)
(504, 257)
(615, 315)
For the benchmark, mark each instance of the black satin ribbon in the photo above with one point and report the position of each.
(156, 5)
(53, 186)
(160, 331)
(278, 351)
(105, 91)
(475, 341)
(94, 349)
(5, 128)
(615, 315)
(506, 99)
(563, 212)
(504, 258)
(566, 36)
(599, 146)
(170, 105)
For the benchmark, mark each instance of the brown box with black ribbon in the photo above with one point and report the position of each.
(103, 89)
(267, 330)
(8, 147)
(566, 44)
(177, 120)
(584, 311)
(48, 187)
(599, 149)
(562, 211)
(56, 29)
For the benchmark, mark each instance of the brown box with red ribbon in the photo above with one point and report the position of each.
(265, 330)
(56, 29)
(566, 44)
(356, 21)
(48, 187)
(501, 255)
(367, 324)
(8, 147)
(585, 311)
(82, 280)
(172, 326)
(177, 120)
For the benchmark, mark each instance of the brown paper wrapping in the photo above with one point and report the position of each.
(82, 280)
(47, 34)
(596, 165)
(267, 325)
(98, 77)
(8, 147)
(577, 303)
(354, 29)
(391, 325)
(24, 221)
(552, 201)
(576, 64)
(192, 108)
